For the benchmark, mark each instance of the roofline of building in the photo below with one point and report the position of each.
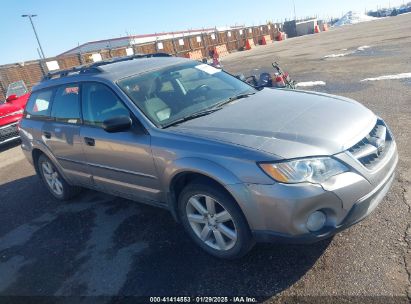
(136, 36)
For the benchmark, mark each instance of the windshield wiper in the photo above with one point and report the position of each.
(214, 108)
(191, 116)
(231, 99)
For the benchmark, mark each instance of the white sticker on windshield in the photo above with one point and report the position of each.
(163, 114)
(207, 68)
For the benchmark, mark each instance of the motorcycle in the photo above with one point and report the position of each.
(278, 79)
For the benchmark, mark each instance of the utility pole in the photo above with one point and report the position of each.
(30, 16)
(38, 52)
(295, 15)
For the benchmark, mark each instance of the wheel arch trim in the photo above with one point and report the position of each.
(202, 167)
(42, 148)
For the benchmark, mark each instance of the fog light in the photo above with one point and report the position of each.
(316, 221)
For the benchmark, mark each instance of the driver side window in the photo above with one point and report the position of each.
(99, 103)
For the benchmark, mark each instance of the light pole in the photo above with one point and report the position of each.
(35, 32)
(295, 16)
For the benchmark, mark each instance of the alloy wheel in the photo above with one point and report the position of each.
(52, 178)
(211, 222)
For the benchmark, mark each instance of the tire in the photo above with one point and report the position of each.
(206, 227)
(60, 189)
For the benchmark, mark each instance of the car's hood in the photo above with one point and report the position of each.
(7, 108)
(286, 123)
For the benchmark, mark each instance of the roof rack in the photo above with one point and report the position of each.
(94, 67)
(64, 73)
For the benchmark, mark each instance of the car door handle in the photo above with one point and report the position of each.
(89, 141)
(47, 134)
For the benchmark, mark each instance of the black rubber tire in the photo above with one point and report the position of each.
(245, 240)
(69, 191)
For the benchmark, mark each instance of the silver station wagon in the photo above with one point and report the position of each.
(233, 164)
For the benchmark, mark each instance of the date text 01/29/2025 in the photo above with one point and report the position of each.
(203, 299)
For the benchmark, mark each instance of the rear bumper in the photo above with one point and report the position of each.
(360, 210)
(9, 133)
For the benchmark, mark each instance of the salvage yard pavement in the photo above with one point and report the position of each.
(102, 245)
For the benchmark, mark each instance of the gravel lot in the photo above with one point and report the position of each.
(99, 245)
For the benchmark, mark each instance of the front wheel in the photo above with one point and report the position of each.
(214, 221)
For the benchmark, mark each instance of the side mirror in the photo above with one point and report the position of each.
(11, 98)
(117, 124)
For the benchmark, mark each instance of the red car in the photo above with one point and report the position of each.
(11, 111)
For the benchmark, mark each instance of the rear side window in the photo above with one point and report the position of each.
(66, 104)
(99, 103)
(39, 104)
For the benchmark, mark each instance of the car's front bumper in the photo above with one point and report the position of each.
(358, 212)
(9, 133)
(279, 212)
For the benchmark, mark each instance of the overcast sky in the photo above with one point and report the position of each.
(63, 24)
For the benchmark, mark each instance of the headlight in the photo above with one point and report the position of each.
(313, 170)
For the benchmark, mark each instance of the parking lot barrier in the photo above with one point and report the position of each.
(195, 55)
(221, 50)
(280, 36)
(266, 39)
(249, 44)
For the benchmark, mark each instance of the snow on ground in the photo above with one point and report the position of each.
(359, 49)
(310, 84)
(389, 77)
(362, 48)
(353, 18)
(338, 55)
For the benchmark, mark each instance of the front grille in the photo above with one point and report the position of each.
(8, 132)
(372, 148)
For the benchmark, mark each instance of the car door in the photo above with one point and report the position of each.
(120, 162)
(62, 134)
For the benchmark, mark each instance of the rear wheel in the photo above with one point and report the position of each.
(214, 221)
(53, 180)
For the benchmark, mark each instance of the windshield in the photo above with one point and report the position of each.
(17, 88)
(170, 94)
